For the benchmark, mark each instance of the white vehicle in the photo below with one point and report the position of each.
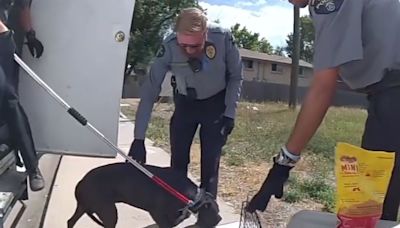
(86, 44)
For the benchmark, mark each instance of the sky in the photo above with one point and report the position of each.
(272, 19)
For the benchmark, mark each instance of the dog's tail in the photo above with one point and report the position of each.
(96, 220)
(80, 210)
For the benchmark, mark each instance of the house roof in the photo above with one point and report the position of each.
(272, 58)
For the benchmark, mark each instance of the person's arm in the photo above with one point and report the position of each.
(151, 90)
(234, 76)
(313, 110)
(25, 14)
(25, 19)
(35, 46)
(338, 41)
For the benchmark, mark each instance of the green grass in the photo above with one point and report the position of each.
(258, 134)
(260, 130)
(158, 129)
(341, 124)
(315, 188)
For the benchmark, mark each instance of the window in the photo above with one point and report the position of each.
(275, 68)
(248, 64)
(301, 71)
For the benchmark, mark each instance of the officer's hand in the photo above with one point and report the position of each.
(227, 126)
(138, 151)
(274, 183)
(34, 45)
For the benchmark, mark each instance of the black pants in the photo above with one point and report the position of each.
(382, 132)
(12, 112)
(188, 115)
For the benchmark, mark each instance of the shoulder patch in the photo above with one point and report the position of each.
(326, 6)
(161, 51)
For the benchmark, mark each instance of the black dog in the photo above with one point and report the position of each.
(104, 186)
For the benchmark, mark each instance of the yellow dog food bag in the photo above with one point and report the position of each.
(362, 178)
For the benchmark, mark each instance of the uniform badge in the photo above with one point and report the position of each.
(161, 51)
(326, 6)
(211, 51)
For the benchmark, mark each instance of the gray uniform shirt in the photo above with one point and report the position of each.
(361, 37)
(221, 69)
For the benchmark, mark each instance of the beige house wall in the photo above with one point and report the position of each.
(260, 70)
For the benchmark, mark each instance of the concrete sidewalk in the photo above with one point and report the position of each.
(62, 203)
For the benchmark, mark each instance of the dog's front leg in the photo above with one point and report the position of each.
(161, 220)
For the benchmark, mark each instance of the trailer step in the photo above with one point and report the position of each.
(6, 198)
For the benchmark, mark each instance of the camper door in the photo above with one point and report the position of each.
(85, 47)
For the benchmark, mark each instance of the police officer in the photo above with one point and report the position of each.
(360, 40)
(17, 14)
(207, 71)
(17, 17)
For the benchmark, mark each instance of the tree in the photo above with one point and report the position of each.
(244, 38)
(265, 47)
(306, 40)
(248, 40)
(279, 50)
(152, 19)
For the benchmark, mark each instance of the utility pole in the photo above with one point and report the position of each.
(295, 59)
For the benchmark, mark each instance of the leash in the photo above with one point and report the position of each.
(193, 206)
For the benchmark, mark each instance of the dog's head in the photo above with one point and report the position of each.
(208, 215)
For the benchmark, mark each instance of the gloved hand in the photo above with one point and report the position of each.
(34, 45)
(227, 126)
(273, 185)
(138, 151)
(275, 181)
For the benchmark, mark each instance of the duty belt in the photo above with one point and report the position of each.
(391, 78)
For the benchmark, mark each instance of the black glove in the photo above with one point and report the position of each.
(34, 44)
(273, 185)
(276, 179)
(227, 126)
(138, 151)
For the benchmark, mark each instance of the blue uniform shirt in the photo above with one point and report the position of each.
(221, 69)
